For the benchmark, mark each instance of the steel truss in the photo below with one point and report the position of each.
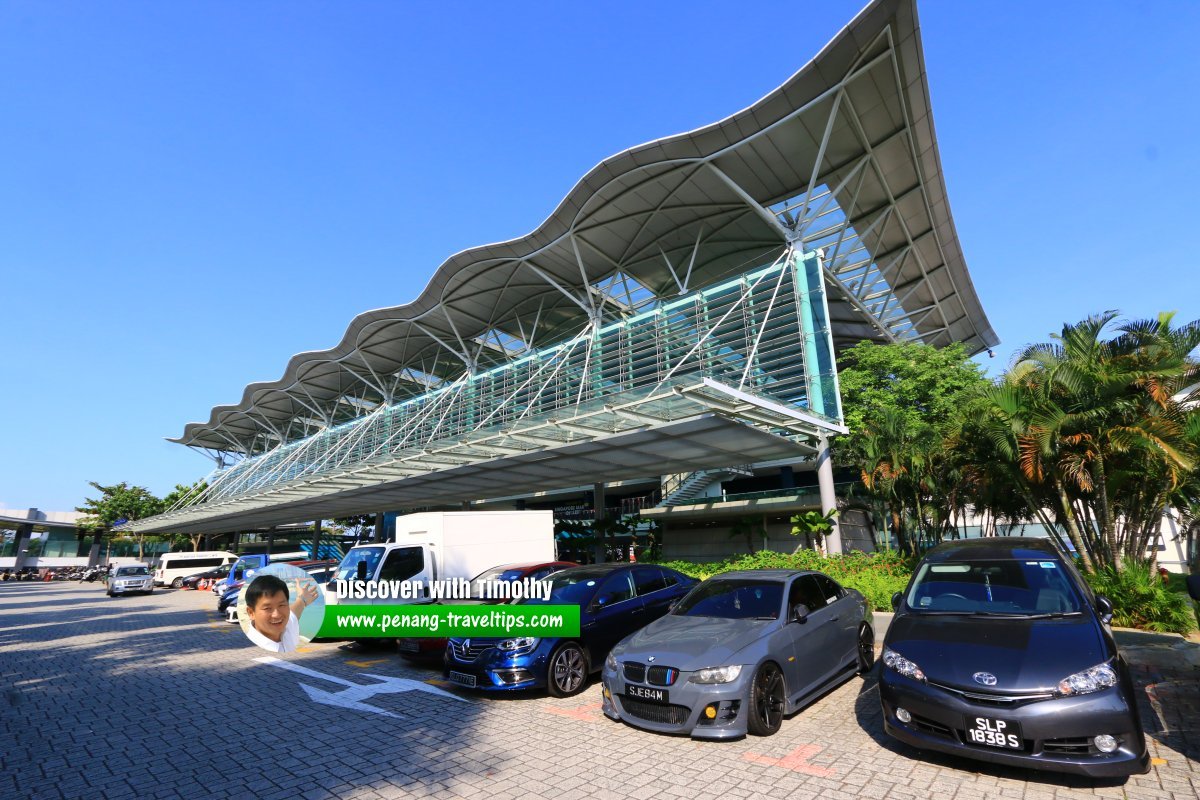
(647, 225)
(756, 348)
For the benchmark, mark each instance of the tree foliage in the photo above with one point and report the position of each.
(115, 503)
(1104, 430)
(902, 402)
(1094, 434)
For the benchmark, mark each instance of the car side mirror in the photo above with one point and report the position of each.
(602, 601)
(361, 571)
(897, 599)
(1193, 586)
(800, 613)
(1105, 607)
(673, 604)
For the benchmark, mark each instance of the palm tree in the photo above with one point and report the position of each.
(1101, 422)
(897, 456)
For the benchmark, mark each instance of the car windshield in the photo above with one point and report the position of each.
(570, 588)
(1012, 587)
(130, 572)
(505, 574)
(348, 569)
(732, 598)
(321, 574)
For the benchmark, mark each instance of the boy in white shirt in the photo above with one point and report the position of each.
(274, 623)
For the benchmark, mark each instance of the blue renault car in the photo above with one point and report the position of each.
(614, 601)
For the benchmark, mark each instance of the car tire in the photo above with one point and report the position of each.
(567, 671)
(866, 649)
(109, 592)
(177, 583)
(768, 700)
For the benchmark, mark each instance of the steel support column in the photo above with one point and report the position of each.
(828, 497)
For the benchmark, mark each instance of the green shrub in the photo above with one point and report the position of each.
(1142, 600)
(877, 575)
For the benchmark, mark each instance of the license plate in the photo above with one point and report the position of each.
(462, 679)
(408, 646)
(646, 693)
(991, 732)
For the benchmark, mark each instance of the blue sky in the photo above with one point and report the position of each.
(192, 192)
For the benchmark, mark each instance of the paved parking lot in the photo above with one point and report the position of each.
(140, 696)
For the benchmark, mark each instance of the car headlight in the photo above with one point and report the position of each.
(1090, 680)
(899, 663)
(610, 663)
(517, 644)
(717, 674)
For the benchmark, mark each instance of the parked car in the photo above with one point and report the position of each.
(322, 572)
(129, 578)
(434, 647)
(738, 653)
(614, 600)
(1000, 652)
(193, 581)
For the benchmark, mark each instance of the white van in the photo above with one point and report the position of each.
(174, 567)
(443, 545)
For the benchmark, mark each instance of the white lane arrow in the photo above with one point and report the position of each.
(355, 693)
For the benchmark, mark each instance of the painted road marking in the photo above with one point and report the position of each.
(365, 664)
(355, 693)
(796, 761)
(587, 713)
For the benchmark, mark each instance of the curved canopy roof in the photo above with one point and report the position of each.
(842, 156)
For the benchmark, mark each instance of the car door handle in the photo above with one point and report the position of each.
(637, 611)
(831, 619)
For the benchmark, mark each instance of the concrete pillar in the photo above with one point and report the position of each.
(600, 547)
(20, 542)
(828, 498)
(379, 526)
(270, 539)
(316, 553)
(94, 553)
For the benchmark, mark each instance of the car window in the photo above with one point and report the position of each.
(994, 586)
(733, 598)
(617, 588)
(401, 564)
(830, 590)
(348, 569)
(805, 590)
(648, 579)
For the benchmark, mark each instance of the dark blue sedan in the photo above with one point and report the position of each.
(614, 601)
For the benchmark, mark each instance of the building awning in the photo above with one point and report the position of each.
(680, 427)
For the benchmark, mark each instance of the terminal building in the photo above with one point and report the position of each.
(666, 342)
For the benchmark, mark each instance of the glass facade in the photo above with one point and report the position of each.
(765, 332)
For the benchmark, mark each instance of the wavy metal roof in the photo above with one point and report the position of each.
(843, 156)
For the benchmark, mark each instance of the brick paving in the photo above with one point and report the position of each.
(154, 696)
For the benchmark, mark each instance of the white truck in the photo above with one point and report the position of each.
(444, 545)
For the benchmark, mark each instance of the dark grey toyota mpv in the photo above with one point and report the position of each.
(999, 651)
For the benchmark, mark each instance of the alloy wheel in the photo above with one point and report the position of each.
(866, 649)
(767, 701)
(568, 670)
